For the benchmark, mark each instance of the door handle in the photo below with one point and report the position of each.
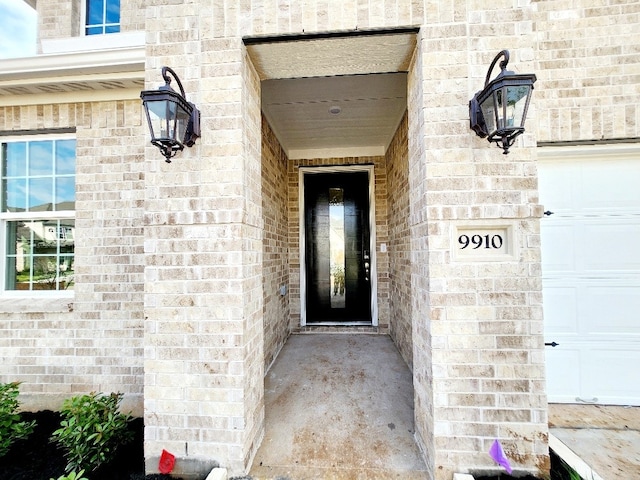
(366, 265)
(551, 344)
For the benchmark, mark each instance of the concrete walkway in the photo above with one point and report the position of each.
(339, 406)
(599, 442)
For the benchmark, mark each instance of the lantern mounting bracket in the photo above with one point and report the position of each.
(167, 80)
(503, 65)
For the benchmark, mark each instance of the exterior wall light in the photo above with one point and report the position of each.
(499, 110)
(173, 121)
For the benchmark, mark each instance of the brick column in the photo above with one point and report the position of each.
(203, 247)
(477, 321)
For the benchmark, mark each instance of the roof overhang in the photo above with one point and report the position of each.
(73, 77)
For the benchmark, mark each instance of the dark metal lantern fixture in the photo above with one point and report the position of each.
(173, 121)
(499, 110)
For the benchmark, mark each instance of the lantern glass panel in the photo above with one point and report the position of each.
(488, 108)
(168, 121)
(161, 119)
(182, 121)
(511, 111)
(517, 99)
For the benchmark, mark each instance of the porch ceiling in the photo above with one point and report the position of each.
(334, 96)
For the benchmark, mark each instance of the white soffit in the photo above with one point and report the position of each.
(361, 77)
(369, 108)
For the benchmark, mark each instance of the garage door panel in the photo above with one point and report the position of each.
(558, 248)
(588, 246)
(610, 245)
(612, 310)
(611, 185)
(557, 186)
(563, 382)
(590, 186)
(607, 376)
(583, 308)
(560, 309)
(579, 372)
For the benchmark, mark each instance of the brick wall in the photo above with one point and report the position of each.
(587, 61)
(418, 242)
(92, 341)
(275, 246)
(58, 18)
(252, 263)
(110, 178)
(131, 16)
(399, 243)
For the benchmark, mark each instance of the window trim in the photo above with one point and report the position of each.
(13, 216)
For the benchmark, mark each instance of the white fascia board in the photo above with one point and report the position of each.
(56, 68)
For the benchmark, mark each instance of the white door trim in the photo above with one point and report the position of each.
(372, 238)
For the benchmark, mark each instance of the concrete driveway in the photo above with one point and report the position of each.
(599, 442)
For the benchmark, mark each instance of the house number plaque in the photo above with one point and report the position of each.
(478, 241)
(483, 242)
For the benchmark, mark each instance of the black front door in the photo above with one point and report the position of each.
(338, 259)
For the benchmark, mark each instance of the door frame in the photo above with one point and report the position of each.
(302, 171)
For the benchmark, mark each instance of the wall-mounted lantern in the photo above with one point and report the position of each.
(173, 121)
(499, 110)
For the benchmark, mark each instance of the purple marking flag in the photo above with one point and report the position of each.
(497, 453)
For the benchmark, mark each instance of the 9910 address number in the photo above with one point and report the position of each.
(480, 241)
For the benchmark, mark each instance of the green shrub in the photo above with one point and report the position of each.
(91, 430)
(72, 476)
(11, 426)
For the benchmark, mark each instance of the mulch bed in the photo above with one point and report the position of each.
(37, 458)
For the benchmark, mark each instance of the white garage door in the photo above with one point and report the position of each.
(591, 273)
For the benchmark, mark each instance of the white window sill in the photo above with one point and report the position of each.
(90, 43)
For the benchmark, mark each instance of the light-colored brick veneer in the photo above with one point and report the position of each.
(92, 341)
(179, 266)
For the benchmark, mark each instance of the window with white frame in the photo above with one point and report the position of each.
(38, 213)
(102, 16)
